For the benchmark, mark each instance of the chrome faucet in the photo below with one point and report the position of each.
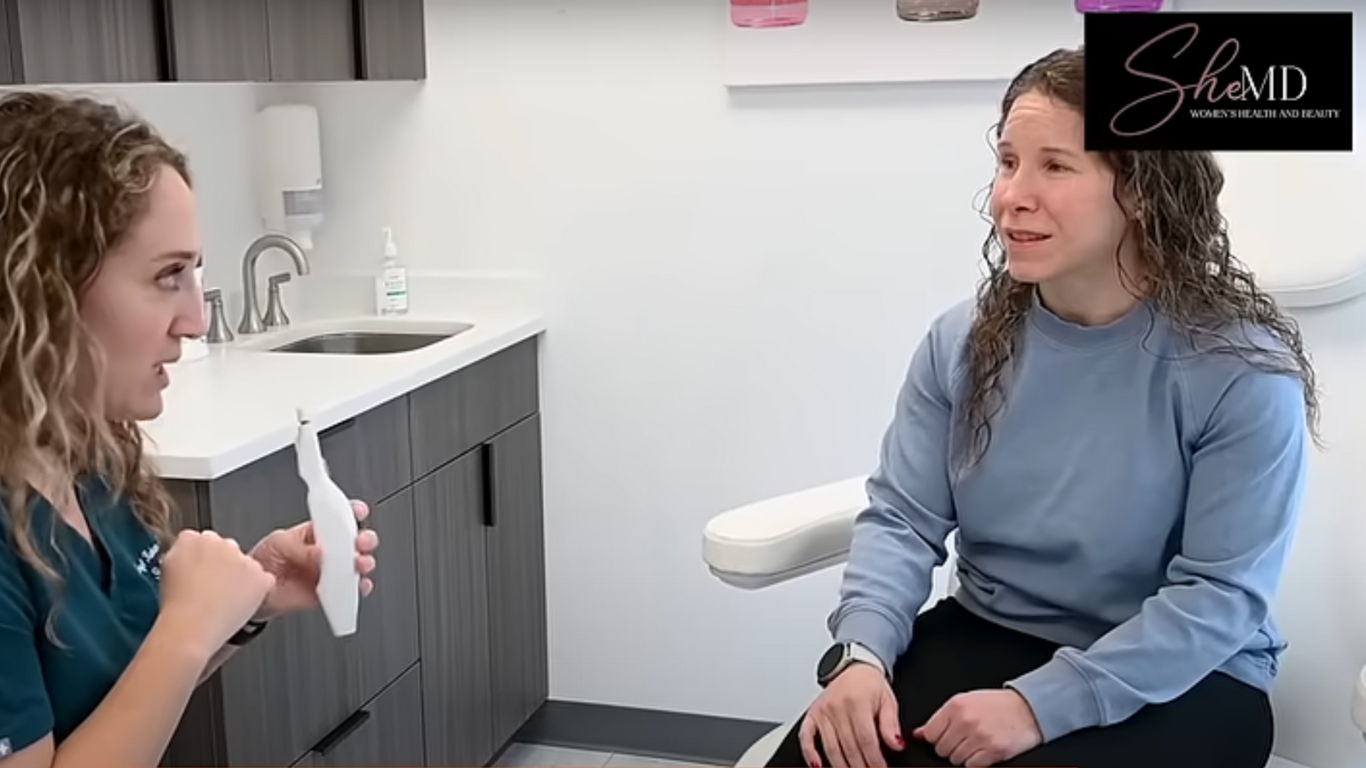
(251, 312)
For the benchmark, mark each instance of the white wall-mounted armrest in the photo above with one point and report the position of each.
(784, 537)
(781, 538)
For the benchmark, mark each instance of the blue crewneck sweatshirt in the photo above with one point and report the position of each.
(1136, 505)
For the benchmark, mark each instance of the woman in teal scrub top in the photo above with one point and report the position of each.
(109, 616)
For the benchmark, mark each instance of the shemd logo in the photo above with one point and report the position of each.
(1219, 81)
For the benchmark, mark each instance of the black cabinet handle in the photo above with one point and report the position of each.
(339, 734)
(166, 48)
(359, 48)
(486, 451)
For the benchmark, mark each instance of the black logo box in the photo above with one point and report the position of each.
(1246, 81)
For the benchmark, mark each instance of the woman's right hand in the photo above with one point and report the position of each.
(850, 715)
(210, 587)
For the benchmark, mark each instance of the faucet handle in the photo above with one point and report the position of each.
(275, 307)
(219, 331)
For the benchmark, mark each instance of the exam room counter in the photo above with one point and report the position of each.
(444, 443)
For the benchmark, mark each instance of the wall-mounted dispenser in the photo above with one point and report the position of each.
(289, 175)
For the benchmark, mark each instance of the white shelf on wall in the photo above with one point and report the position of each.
(845, 42)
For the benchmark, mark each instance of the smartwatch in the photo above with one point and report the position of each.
(247, 633)
(840, 656)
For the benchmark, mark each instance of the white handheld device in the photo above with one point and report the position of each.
(335, 531)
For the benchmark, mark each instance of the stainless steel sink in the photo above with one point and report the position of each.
(362, 342)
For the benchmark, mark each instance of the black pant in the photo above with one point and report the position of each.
(1220, 723)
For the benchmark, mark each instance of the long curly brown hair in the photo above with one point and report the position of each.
(74, 177)
(1191, 275)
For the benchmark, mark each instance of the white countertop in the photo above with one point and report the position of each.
(238, 403)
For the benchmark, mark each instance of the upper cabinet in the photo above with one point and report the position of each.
(312, 40)
(82, 41)
(6, 71)
(393, 40)
(295, 41)
(214, 40)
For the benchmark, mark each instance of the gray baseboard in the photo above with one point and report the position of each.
(646, 732)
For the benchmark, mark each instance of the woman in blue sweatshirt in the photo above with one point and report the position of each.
(1117, 429)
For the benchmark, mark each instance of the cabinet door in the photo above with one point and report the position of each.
(393, 40)
(7, 46)
(516, 562)
(453, 599)
(312, 40)
(216, 41)
(385, 733)
(295, 682)
(85, 41)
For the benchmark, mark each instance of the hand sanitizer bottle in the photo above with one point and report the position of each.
(391, 285)
(335, 530)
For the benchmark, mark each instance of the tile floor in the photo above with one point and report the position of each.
(541, 756)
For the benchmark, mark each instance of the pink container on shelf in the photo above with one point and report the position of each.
(1118, 6)
(768, 13)
(937, 10)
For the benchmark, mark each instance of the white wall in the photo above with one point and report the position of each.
(738, 281)
(719, 264)
(211, 122)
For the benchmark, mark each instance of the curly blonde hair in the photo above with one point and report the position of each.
(74, 177)
(1192, 277)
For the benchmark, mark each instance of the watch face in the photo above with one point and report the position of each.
(830, 660)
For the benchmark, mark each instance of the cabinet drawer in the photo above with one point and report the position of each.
(456, 413)
(384, 733)
(369, 456)
(386, 638)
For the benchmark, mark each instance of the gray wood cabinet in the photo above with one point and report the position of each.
(82, 41)
(312, 40)
(451, 657)
(393, 39)
(296, 40)
(8, 50)
(214, 40)
(515, 542)
(130, 41)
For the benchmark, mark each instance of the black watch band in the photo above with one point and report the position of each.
(247, 633)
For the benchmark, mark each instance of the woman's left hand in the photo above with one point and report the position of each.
(982, 728)
(294, 558)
